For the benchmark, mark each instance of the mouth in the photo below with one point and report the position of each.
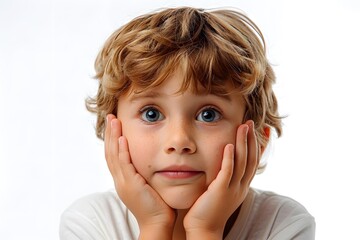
(179, 172)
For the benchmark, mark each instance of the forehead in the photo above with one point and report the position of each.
(177, 85)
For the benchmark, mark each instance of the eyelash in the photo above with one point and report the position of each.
(210, 108)
(145, 110)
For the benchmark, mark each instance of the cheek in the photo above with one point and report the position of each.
(213, 148)
(215, 142)
(142, 151)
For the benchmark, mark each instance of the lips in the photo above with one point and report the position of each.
(179, 172)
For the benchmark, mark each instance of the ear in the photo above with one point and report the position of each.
(267, 132)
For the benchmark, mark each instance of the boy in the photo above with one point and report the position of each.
(185, 106)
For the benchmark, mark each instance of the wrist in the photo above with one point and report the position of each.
(204, 234)
(155, 232)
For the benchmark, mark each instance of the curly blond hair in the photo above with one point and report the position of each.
(213, 47)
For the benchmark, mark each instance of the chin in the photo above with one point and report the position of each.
(182, 204)
(180, 199)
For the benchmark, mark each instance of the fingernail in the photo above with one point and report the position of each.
(246, 129)
(231, 148)
(251, 123)
(112, 123)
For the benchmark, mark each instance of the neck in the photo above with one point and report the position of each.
(179, 230)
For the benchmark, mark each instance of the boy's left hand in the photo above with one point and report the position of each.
(209, 214)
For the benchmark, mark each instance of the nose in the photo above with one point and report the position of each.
(180, 139)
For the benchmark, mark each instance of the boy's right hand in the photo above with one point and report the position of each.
(154, 216)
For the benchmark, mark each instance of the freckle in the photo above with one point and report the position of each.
(149, 166)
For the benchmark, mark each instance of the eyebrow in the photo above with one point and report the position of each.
(148, 94)
(154, 94)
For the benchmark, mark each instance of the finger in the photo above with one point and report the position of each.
(253, 155)
(223, 178)
(113, 146)
(109, 117)
(124, 173)
(124, 155)
(241, 153)
(227, 165)
(123, 162)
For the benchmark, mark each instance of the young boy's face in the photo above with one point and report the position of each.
(176, 140)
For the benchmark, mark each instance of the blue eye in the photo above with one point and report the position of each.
(209, 115)
(151, 115)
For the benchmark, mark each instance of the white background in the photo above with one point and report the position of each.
(49, 155)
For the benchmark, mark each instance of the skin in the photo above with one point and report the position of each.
(181, 162)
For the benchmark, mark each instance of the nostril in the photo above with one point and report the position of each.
(186, 150)
(183, 150)
(171, 149)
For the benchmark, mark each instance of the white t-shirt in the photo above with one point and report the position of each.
(263, 215)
